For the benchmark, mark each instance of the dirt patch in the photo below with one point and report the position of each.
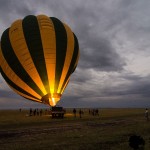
(107, 124)
(38, 131)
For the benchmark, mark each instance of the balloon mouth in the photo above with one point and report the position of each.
(51, 99)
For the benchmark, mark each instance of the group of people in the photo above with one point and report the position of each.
(80, 113)
(94, 112)
(35, 112)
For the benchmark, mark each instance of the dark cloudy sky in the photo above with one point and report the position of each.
(114, 40)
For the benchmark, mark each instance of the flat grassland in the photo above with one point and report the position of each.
(108, 131)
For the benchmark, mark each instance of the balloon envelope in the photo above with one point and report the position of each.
(37, 56)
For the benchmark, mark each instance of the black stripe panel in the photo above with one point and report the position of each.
(76, 49)
(33, 39)
(73, 61)
(61, 48)
(12, 84)
(33, 100)
(14, 63)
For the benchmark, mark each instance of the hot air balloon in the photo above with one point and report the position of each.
(37, 56)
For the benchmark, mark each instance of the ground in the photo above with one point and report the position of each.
(110, 130)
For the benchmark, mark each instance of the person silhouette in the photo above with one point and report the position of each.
(146, 114)
(80, 113)
(74, 112)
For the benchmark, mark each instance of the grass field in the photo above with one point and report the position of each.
(108, 131)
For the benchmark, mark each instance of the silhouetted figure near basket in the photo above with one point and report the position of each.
(96, 112)
(30, 113)
(89, 111)
(80, 113)
(34, 112)
(41, 111)
(93, 112)
(37, 112)
(74, 112)
(136, 142)
(45, 111)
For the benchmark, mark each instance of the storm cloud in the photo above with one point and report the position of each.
(113, 37)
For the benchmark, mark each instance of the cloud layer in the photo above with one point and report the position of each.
(113, 36)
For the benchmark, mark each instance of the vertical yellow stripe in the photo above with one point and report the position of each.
(20, 48)
(15, 79)
(49, 47)
(65, 85)
(69, 54)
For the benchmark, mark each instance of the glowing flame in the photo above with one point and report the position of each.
(51, 99)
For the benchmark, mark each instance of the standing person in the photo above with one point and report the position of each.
(30, 112)
(41, 111)
(37, 112)
(96, 112)
(146, 114)
(34, 112)
(89, 111)
(74, 112)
